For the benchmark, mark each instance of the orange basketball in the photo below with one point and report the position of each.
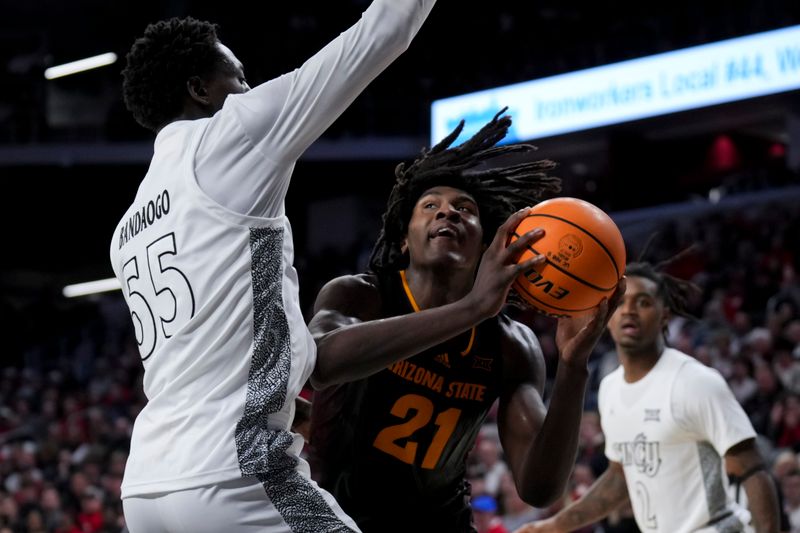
(585, 257)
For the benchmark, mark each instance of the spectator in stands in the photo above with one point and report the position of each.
(484, 510)
(759, 407)
(790, 484)
(741, 381)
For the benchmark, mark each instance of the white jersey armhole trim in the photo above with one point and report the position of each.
(209, 204)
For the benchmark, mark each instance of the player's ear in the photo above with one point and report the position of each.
(665, 317)
(404, 246)
(198, 91)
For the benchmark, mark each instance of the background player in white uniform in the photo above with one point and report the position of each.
(668, 421)
(204, 255)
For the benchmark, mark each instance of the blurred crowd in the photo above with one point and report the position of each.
(67, 408)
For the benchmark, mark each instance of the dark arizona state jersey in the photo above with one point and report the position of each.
(392, 447)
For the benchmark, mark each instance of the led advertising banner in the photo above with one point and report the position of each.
(725, 71)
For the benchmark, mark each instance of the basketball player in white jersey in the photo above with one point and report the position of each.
(672, 428)
(204, 255)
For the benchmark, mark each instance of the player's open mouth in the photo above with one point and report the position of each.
(445, 231)
(629, 328)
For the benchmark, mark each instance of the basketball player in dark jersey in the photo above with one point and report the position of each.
(412, 354)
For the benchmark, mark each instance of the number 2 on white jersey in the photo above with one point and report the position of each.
(170, 288)
(643, 502)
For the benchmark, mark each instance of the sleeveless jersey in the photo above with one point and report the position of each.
(670, 431)
(392, 447)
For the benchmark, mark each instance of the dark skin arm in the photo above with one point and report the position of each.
(761, 495)
(353, 342)
(608, 493)
(528, 432)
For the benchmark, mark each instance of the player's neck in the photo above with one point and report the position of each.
(638, 363)
(190, 112)
(437, 287)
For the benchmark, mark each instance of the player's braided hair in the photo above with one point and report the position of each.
(161, 61)
(498, 190)
(676, 293)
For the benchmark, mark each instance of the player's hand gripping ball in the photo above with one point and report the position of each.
(585, 257)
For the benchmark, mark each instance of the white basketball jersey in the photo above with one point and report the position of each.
(670, 431)
(214, 381)
(212, 293)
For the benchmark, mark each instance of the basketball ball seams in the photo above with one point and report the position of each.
(518, 286)
(570, 274)
(595, 239)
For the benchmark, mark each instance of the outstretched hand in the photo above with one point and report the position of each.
(499, 267)
(577, 336)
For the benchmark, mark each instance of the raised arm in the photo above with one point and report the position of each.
(288, 114)
(353, 342)
(530, 434)
(603, 497)
(744, 462)
(247, 152)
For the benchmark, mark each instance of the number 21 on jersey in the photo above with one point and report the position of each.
(445, 421)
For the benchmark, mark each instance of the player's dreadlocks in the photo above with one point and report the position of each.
(676, 293)
(498, 190)
(159, 64)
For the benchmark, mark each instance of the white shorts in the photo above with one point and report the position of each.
(238, 506)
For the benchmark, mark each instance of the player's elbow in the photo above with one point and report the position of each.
(321, 378)
(540, 493)
(395, 30)
(329, 366)
(394, 40)
(317, 383)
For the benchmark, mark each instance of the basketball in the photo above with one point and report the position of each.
(585, 257)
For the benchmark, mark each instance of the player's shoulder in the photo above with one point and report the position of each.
(355, 290)
(365, 282)
(692, 375)
(611, 380)
(614, 377)
(517, 335)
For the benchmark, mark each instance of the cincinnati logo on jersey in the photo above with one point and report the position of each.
(640, 453)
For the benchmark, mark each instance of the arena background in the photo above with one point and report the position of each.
(724, 177)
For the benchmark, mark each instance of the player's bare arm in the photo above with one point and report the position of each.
(530, 436)
(744, 461)
(608, 493)
(353, 343)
